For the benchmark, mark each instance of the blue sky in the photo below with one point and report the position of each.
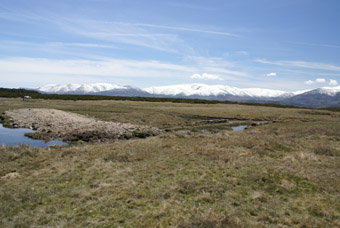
(282, 44)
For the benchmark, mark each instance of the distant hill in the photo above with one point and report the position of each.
(317, 98)
(5, 92)
(324, 97)
(23, 91)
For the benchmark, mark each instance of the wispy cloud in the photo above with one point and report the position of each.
(318, 80)
(153, 36)
(109, 68)
(125, 34)
(207, 76)
(309, 73)
(58, 49)
(333, 82)
(82, 53)
(302, 64)
(27, 17)
(272, 74)
(187, 29)
(195, 6)
(209, 61)
(309, 82)
(215, 65)
(316, 45)
(226, 71)
(20, 44)
(245, 53)
(110, 31)
(85, 45)
(51, 70)
(159, 37)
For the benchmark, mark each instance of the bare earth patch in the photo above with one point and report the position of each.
(56, 124)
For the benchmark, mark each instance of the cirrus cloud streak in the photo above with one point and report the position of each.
(302, 64)
(110, 68)
(207, 76)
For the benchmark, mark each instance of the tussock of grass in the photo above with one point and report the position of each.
(4, 120)
(33, 135)
(323, 149)
(141, 134)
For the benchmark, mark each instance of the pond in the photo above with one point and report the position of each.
(16, 136)
(240, 128)
(213, 131)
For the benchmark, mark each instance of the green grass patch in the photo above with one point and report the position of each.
(141, 134)
(4, 120)
(33, 136)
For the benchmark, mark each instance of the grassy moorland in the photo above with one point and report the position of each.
(283, 174)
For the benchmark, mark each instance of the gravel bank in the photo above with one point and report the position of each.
(68, 127)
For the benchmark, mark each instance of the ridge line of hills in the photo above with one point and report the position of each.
(324, 97)
(316, 98)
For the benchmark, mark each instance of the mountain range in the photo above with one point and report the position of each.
(315, 98)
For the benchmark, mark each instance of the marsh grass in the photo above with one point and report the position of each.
(325, 149)
(33, 136)
(141, 134)
(267, 176)
(4, 120)
(168, 115)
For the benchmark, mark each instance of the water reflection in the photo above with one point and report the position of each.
(16, 136)
(239, 128)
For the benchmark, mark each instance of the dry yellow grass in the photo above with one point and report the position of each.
(284, 174)
(168, 115)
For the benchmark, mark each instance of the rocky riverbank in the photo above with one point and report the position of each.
(68, 127)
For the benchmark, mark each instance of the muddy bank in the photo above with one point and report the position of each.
(68, 127)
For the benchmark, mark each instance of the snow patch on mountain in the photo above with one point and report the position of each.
(183, 90)
(80, 88)
(330, 91)
(216, 90)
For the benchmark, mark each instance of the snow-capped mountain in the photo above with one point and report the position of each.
(217, 90)
(316, 98)
(174, 90)
(330, 91)
(321, 97)
(80, 89)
